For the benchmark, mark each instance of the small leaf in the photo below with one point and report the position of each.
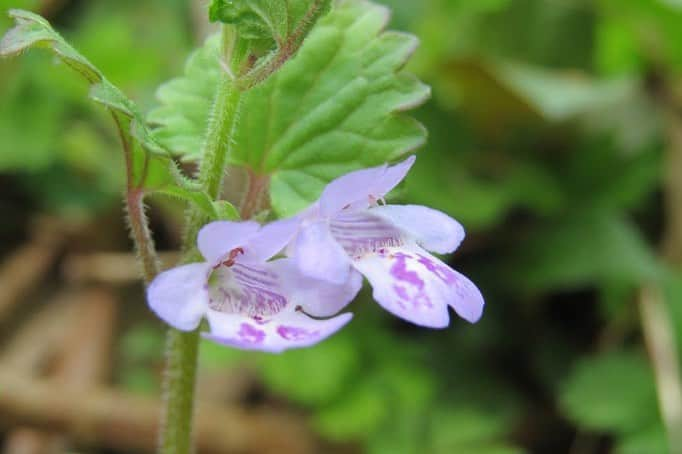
(611, 392)
(337, 106)
(585, 248)
(152, 168)
(255, 19)
(225, 211)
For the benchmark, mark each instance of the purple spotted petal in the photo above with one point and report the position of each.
(349, 189)
(217, 239)
(270, 240)
(318, 255)
(179, 296)
(415, 286)
(286, 331)
(432, 229)
(317, 298)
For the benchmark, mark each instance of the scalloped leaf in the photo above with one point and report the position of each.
(152, 168)
(337, 106)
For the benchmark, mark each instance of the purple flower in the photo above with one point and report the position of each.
(347, 229)
(249, 303)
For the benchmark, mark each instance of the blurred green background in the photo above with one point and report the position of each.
(555, 138)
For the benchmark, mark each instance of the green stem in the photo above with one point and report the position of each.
(182, 347)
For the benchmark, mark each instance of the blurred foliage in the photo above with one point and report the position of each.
(547, 140)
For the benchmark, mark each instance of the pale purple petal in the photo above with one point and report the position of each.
(270, 240)
(349, 189)
(179, 296)
(359, 232)
(286, 331)
(318, 255)
(391, 177)
(356, 190)
(315, 297)
(418, 287)
(432, 229)
(217, 239)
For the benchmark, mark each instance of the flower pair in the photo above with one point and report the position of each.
(252, 302)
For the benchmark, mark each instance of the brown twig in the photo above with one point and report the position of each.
(107, 267)
(31, 347)
(122, 421)
(27, 266)
(86, 319)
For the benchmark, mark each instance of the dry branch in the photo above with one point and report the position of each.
(26, 266)
(107, 268)
(81, 325)
(123, 421)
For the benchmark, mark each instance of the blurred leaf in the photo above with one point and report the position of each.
(463, 429)
(151, 168)
(559, 96)
(610, 392)
(583, 249)
(651, 440)
(312, 376)
(355, 415)
(481, 202)
(334, 108)
(506, 89)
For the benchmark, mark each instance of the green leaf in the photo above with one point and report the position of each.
(649, 440)
(611, 392)
(582, 249)
(151, 166)
(337, 106)
(255, 19)
(268, 24)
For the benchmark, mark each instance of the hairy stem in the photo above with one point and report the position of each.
(139, 227)
(182, 347)
(142, 237)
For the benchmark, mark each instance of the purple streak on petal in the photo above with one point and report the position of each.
(432, 229)
(349, 189)
(318, 255)
(236, 290)
(316, 297)
(270, 240)
(403, 288)
(466, 299)
(360, 232)
(400, 272)
(217, 239)
(178, 295)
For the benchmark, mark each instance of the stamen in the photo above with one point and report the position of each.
(314, 317)
(231, 258)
